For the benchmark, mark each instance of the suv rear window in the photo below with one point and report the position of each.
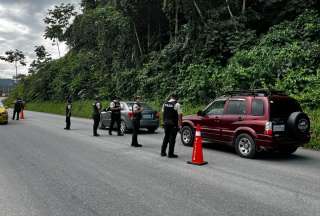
(236, 107)
(283, 107)
(257, 108)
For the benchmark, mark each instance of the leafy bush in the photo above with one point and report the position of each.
(286, 58)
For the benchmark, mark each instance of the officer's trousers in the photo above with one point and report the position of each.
(68, 122)
(115, 119)
(15, 112)
(96, 121)
(170, 134)
(136, 127)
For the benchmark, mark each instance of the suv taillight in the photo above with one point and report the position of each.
(157, 115)
(268, 128)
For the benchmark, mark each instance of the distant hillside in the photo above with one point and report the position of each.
(6, 83)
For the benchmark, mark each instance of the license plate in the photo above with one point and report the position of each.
(278, 128)
(148, 116)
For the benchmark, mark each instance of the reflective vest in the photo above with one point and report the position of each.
(170, 115)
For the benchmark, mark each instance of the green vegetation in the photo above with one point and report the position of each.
(197, 48)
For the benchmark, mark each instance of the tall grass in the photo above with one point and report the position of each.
(79, 108)
(314, 116)
(84, 109)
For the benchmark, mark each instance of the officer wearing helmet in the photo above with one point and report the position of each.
(172, 120)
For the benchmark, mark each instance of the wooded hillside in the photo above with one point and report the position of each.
(199, 48)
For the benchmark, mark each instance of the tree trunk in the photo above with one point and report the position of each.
(148, 40)
(16, 66)
(176, 29)
(137, 37)
(231, 15)
(58, 48)
(198, 9)
(229, 10)
(243, 6)
(164, 5)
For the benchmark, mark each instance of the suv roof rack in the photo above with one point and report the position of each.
(256, 92)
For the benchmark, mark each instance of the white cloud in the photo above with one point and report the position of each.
(9, 26)
(22, 27)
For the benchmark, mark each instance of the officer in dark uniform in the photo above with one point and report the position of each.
(172, 119)
(68, 113)
(17, 108)
(137, 110)
(115, 108)
(96, 115)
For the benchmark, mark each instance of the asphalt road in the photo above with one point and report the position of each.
(45, 170)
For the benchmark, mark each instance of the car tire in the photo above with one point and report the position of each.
(298, 124)
(123, 127)
(187, 135)
(288, 151)
(152, 130)
(102, 125)
(245, 146)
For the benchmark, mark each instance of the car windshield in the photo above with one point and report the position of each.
(145, 106)
(282, 107)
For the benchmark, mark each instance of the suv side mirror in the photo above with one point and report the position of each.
(200, 113)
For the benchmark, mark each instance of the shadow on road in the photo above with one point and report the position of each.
(267, 156)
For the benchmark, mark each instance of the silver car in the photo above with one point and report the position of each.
(150, 117)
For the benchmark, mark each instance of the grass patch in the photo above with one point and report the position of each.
(79, 108)
(84, 109)
(314, 116)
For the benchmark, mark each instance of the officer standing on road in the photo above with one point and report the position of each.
(17, 108)
(68, 113)
(96, 116)
(172, 120)
(115, 108)
(137, 110)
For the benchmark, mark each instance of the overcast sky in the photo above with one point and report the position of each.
(22, 27)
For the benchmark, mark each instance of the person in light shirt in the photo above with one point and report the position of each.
(137, 110)
(115, 108)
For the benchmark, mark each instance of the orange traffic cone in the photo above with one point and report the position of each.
(21, 115)
(197, 154)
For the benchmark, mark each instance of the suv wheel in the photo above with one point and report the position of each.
(298, 123)
(102, 125)
(152, 130)
(245, 146)
(187, 135)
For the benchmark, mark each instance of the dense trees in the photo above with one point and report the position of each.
(197, 47)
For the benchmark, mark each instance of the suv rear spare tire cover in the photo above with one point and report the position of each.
(298, 123)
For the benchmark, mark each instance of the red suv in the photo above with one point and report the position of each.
(251, 121)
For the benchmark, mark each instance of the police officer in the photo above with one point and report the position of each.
(137, 110)
(115, 108)
(96, 115)
(68, 113)
(172, 119)
(17, 108)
